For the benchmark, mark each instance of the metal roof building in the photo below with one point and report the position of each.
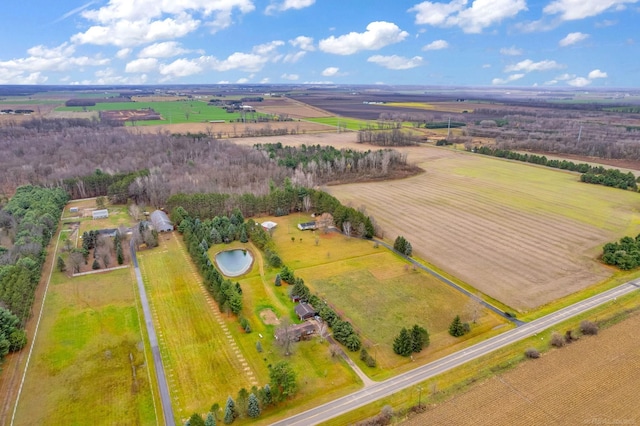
(161, 222)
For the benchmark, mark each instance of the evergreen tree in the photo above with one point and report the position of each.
(61, 265)
(267, 396)
(456, 329)
(242, 401)
(95, 265)
(119, 254)
(230, 413)
(283, 379)
(253, 410)
(196, 420)
(278, 280)
(419, 338)
(259, 346)
(210, 420)
(402, 344)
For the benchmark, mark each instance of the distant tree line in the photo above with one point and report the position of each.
(395, 137)
(624, 254)
(590, 174)
(115, 186)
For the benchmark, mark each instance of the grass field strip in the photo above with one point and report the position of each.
(35, 333)
(216, 312)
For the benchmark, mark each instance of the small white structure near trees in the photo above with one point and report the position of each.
(100, 214)
(268, 225)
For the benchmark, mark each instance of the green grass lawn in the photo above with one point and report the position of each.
(173, 112)
(376, 290)
(88, 348)
(350, 123)
(200, 357)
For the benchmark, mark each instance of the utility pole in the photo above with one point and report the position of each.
(419, 396)
(580, 133)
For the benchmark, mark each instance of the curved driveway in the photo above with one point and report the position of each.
(165, 398)
(427, 371)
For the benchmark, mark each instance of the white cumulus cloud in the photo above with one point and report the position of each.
(165, 49)
(183, 67)
(330, 71)
(509, 79)
(473, 19)
(436, 45)
(579, 82)
(570, 10)
(597, 74)
(290, 77)
(281, 6)
(529, 66)
(395, 62)
(303, 42)
(573, 38)
(142, 65)
(377, 35)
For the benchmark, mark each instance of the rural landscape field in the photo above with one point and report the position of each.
(369, 216)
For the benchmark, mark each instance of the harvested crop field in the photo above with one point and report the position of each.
(589, 382)
(290, 107)
(232, 130)
(525, 235)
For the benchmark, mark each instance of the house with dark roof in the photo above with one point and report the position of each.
(305, 311)
(161, 222)
(297, 332)
(307, 225)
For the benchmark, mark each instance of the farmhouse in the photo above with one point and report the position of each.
(297, 332)
(268, 225)
(307, 225)
(305, 311)
(100, 214)
(161, 222)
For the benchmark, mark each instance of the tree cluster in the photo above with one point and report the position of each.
(411, 340)
(624, 254)
(115, 186)
(457, 328)
(395, 137)
(590, 174)
(198, 238)
(367, 358)
(403, 246)
(12, 337)
(29, 220)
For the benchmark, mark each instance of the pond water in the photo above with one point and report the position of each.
(233, 263)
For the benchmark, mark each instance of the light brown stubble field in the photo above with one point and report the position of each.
(523, 234)
(589, 382)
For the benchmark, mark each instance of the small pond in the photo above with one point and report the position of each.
(233, 263)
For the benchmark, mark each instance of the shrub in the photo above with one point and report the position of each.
(532, 353)
(589, 328)
(557, 340)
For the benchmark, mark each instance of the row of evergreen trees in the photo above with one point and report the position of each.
(343, 331)
(279, 201)
(30, 219)
(590, 174)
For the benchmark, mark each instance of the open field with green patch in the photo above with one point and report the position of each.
(524, 235)
(208, 356)
(376, 290)
(346, 122)
(172, 112)
(89, 364)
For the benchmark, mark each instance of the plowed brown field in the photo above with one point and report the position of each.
(592, 381)
(523, 234)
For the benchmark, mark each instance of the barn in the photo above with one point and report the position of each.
(161, 222)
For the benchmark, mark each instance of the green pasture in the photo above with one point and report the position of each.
(199, 358)
(376, 290)
(88, 349)
(349, 123)
(173, 112)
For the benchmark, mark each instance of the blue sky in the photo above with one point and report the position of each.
(545, 43)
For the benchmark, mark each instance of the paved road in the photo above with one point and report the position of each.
(450, 283)
(427, 371)
(165, 398)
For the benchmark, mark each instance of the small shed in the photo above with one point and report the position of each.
(100, 214)
(161, 222)
(73, 210)
(268, 225)
(307, 225)
(305, 311)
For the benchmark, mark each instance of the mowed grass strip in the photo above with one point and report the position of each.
(378, 291)
(201, 358)
(88, 364)
(522, 234)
